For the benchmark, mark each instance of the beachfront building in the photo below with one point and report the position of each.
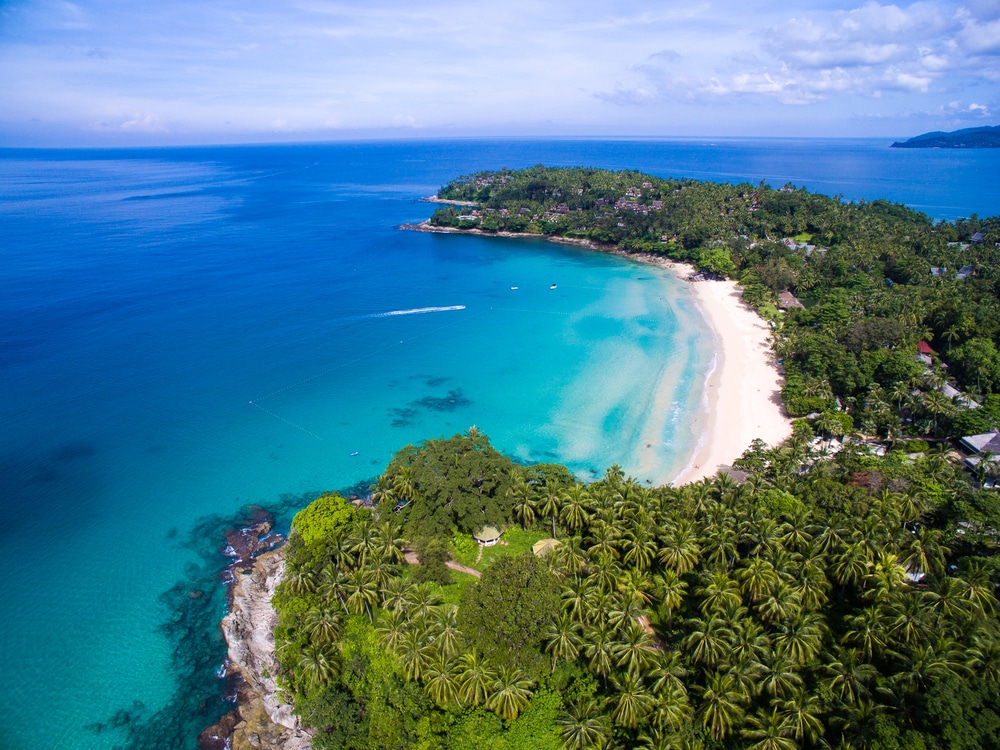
(487, 536)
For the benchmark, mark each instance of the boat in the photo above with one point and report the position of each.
(552, 287)
(513, 288)
(355, 453)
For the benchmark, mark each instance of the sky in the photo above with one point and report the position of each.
(121, 72)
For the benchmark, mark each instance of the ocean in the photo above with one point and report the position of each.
(188, 331)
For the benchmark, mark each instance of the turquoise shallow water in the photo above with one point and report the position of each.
(186, 331)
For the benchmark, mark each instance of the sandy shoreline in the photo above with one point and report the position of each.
(742, 395)
(742, 398)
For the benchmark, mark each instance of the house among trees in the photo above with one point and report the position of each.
(977, 238)
(986, 447)
(924, 353)
(965, 272)
(788, 301)
(487, 536)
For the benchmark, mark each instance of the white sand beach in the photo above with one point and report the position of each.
(743, 399)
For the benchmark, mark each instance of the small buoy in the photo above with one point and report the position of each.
(355, 453)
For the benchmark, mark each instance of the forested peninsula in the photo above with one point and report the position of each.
(837, 590)
(984, 137)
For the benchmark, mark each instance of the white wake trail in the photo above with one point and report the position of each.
(416, 311)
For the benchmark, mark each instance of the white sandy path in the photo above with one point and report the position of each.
(743, 400)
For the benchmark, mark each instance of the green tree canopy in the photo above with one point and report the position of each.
(505, 615)
(458, 482)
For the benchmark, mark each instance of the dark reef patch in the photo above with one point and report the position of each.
(403, 416)
(193, 608)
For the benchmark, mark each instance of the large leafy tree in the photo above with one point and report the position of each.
(460, 482)
(506, 615)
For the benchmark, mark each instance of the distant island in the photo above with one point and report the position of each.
(985, 137)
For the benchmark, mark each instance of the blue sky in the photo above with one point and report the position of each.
(120, 72)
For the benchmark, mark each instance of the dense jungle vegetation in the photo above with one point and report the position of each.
(820, 600)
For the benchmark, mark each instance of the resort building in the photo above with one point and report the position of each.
(487, 536)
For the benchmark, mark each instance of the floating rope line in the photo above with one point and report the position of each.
(525, 310)
(287, 421)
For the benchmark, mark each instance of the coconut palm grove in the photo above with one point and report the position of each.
(838, 590)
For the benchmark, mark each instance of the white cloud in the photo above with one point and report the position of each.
(206, 66)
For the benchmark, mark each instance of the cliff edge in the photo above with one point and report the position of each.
(262, 718)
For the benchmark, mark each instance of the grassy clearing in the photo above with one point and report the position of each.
(514, 541)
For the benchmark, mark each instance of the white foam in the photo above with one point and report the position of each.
(416, 311)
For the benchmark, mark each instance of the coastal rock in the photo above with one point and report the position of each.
(265, 719)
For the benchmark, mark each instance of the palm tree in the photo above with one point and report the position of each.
(363, 541)
(599, 648)
(362, 591)
(511, 693)
(443, 624)
(475, 679)
(670, 589)
(801, 713)
(524, 503)
(635, 649)
(414, 654)
(640, 547)
(562, 638)
(389, 543)
(720, 708)
(301, 582)
(708, 641)
(603, 537)
(421, 598)
(441, 680)
(316, 665)
(403, 486)
(801, 638)
(771, 731)
(549, 506)
(382, 491)
(849, 675)
(869, 631)
(576, 503)
(937, 404)
(396, 594)
(583, 727)
(334, 585)
(680, 550)
(719, 594)
(757, 578)
(570, 557)
(390, 628)
(322, 625)
(778, 677)
(851, 564)
(750, 644)
(632, 703)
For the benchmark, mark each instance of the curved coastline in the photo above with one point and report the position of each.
(742, 391)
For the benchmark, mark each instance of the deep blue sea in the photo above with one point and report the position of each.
(187, 331)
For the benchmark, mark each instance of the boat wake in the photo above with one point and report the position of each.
(416, 311)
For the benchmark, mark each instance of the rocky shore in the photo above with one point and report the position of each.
(262, 718)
